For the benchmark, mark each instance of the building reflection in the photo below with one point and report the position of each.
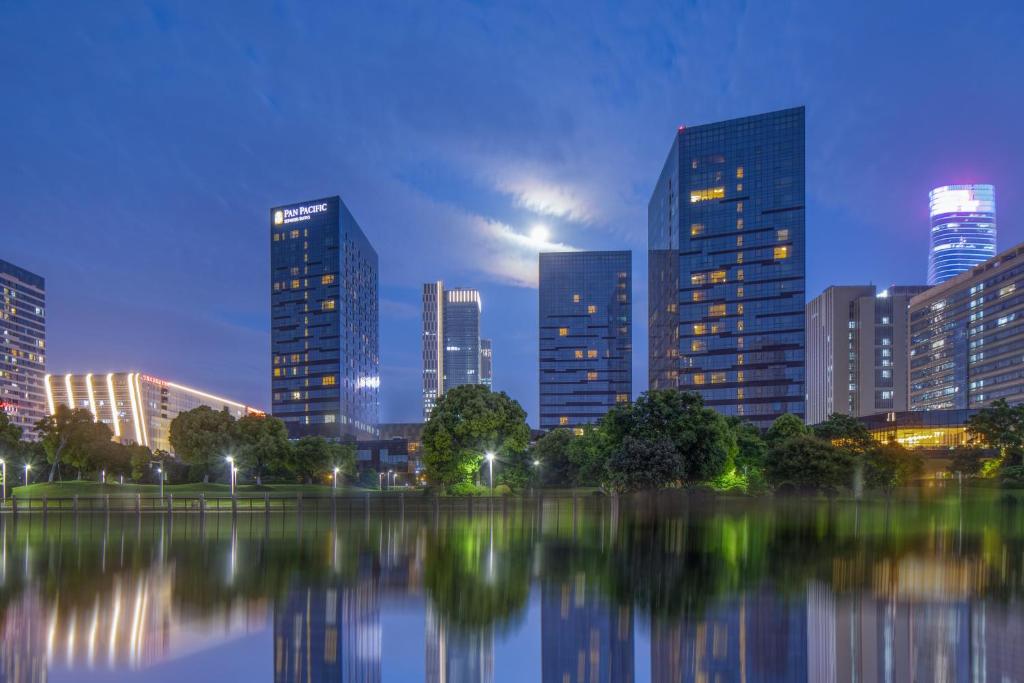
(584, 638)
(328, 634)
(457, 655)
(23, 641)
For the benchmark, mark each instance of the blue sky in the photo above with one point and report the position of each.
(144, 141)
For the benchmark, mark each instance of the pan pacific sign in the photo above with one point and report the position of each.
(299, 213)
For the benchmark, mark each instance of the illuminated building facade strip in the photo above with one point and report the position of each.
(963, 229)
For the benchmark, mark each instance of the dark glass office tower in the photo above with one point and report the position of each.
(324, 322)
(725, 231)
(452, 348)
(586, 341)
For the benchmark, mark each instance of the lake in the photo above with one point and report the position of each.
(665, 588)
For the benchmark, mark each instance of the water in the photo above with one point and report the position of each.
(656, 589)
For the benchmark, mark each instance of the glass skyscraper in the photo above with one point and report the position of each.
(452, 348)
(963, 229)
(586, 335)
(726, 266)
(486, 362)
(22, 346)
(324, 322)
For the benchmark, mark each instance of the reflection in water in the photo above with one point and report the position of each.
(752, 591)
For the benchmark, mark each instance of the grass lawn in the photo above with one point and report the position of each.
(66, 489)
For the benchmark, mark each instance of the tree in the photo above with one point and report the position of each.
(845, 432)
(891, 465)
(641, 464)
(552, 451)
(313, 457)
(10, 436)
(807, 463)
(260, 445)
(202, 438)
(999, 426)
(751, 448)
(588, 454)
(467, 422)
(784, 427)
(517, 471)
(968, 461)
(71, 437)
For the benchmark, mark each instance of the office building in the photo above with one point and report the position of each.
(726, 266)
(22, 346)
(966, 337)
(857, 351)
(138, 408)
(325, 324)
(452, 350)
(963, 229)
(586, 336)
(486, 363)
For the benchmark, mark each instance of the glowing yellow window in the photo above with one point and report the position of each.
(327, 280)
(591, 376)
(714, 328)
(739, 359)
(699, 328)
(563, 420)
(329, 381)
(782, 235)
(718, 276)
(295, 284)
(781, 253)
(717, 377)
(739, 257)
(739, 308)
(739, 392)
(591, 353)
(579, 354)
(716, 310)
(739, 376)
(698, 295)
(698, 378)
(739, 187)
(577, 431)
(591, 308)
(698, 278)
(328, 305)
(706, 194)
(739, 325)
(696, 345)
(295, 234)
(277, 372)
(563, 331)
(739, 171)
(696, 229)
(575, 298)
(622, 398)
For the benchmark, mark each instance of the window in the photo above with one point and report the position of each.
(295, 284)
(329, 419)
(739, 223)
(739, 171)
(739, 359)
(575, 298)
(696, 229)
(697, 346)
(577, 431)
(698, 295)
(591, 308)
(739, 376)
(718, 277)
(328, 305)
(782, 235)
(717, 377)
(698, 378)
(591, 353)
(739, 257)
(739, 274)
(579, 354)
(781, 253)
(563, 420)
(327, 279)
(591, 376)
(563, 331)
(739, 240)
(716, 310)
(706, 194)
(698, 278)
(739, 309)
(329, 380)
(739, 292)
(622, 398)
(699, 328)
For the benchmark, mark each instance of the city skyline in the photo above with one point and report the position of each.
(112, 229)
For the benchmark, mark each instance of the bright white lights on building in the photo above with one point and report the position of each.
(368, 383)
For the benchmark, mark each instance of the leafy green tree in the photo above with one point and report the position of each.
(467, 422)
(202, 438)
(641, 464)
(891, 465)
(589, 453)
(968, 461)
(807, 463)
(72, 437)
(1000, 426)
(260, 445)
(516, 471)
(313, 457)
(751, 448)
(552, 451)
(10, 437)
(784, 427)
(845, 432)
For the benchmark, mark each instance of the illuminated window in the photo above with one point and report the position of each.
(277, 372)
(718, 277)
(591, 376)
(622, 398)
(329, 381)
(739, 223)
(706, 194)
(698, 278)
(717, 377)
(563, 420)
(295, 284)
(739, 240)
(739, 342)
(716, 310)
(782, 235)
(739, 292)
(328, 305)
(579, 354)
(295, 234)
(698, 295)
(296, 395)
(739, 171)
(563, 331)
(739, 187)
(697, 345)
(699, 328)
(739, 257)
(696, 229)
(739, 392)
(327, 280)
(575, 298)
(781, 253)
(698, 378)
(591, 308)
(739, 309)
(1009, 289)
(577, 431)
(739, 376)
(739, 325)
(739, 359)
(591, 353)
(739, 274)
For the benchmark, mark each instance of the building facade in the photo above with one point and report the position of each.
(967, 335)
(22, 346)
(586, 336)
(137, 407)
(857, 351)
(452, 348)
(325, 323)
(726, 261)
(963, 229)
(486, 363)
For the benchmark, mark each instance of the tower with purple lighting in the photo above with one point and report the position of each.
(963, 229)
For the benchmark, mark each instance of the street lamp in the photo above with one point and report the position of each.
(490, 467)
(160, 471)
(231, 472)
(391, 478)
(380, 480)
(4, 464)
(335, 479)
(27, 468)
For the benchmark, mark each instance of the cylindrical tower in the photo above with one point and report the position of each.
(963, 229)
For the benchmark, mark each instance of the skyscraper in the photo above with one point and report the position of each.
(586, 335)
(324, 321)
(857, 351)
(451, 341)
(22, 346)
(963, 229)
(726, 266)
(486, 362)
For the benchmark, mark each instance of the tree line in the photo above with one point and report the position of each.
(71, 444)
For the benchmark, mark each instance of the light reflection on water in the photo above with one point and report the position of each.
(664, 590)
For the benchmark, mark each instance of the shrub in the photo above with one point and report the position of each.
(1012, 477)
(503, 490)
(465, 488)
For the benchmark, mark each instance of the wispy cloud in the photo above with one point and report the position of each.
(534, 193)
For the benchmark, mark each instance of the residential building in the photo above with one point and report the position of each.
(22, 346)
(586, 336)
(325, 324)
(963, 229)
(857, 351)
(726, 241)
(138, 408)
(967, 335)
(451, 341)
(486, 363)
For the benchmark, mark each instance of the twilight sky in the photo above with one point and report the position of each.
(143, 142)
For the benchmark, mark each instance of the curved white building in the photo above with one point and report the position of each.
(963, 229)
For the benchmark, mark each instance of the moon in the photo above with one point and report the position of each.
(539, 233)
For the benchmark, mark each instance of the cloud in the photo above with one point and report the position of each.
(510, 255)
(551, 199)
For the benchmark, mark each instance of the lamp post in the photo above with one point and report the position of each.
(335, 483)
(391, 478)
(103, 476)
(380, 480)
(4, 464)
(160, 471)
(231, 472)
(27, 468)
(490, 468)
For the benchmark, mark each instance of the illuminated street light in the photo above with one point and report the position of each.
(490, 467)
(4, 464)
(335, 478)
(27, 468)
(231, 472)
